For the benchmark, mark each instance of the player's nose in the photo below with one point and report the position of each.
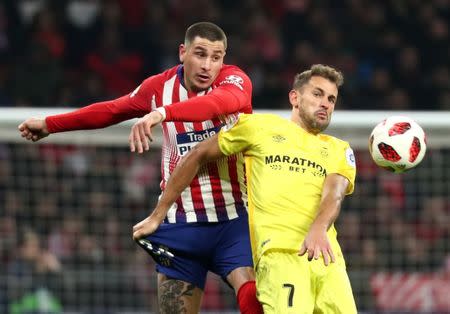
(325, 103)
(206, 65)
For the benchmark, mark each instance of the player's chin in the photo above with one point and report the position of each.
(203, 84)
(322, 124)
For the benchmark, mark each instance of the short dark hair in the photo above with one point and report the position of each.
(205, 30)
(324, 71)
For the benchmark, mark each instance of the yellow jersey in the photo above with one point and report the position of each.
(285, 170)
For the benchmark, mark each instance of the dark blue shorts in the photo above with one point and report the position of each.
(201, 247)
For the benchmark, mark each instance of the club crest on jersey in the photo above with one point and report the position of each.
(278, 138)
(187, 141)
(236, 80)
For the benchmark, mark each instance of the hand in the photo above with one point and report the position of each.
(145, 227)
(316, 243)
(141, 132)
(33, 129)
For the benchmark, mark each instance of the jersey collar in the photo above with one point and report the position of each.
(180, 74)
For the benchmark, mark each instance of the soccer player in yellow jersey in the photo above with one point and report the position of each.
(296, 180)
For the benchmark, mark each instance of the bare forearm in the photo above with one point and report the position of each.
(333, 194)
(185, 172)
(316, 241)
(328, 212)
(179, 180)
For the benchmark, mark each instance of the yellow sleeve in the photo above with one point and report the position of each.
(237, 137)
(345, 165)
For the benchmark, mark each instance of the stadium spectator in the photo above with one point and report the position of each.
(33, 274)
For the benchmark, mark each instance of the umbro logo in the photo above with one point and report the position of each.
(278, 138)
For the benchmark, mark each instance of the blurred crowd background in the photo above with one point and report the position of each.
(66, 211)
(394, 53)
(66, 217)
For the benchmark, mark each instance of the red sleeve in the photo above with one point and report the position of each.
(106, 113)
(232, 94)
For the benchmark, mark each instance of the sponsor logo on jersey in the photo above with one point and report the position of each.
(187, 141)
(236, 80)
(296, 164)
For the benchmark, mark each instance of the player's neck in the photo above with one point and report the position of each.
(301, 124)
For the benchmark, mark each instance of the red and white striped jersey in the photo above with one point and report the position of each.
(217, 193)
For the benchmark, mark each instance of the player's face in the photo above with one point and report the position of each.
(202, 60)
(314, 104)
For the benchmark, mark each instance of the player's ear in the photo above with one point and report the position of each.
(294, 98)
(182, 52)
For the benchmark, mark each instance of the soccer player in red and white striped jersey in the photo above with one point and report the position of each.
(215, 195)
(206, 229)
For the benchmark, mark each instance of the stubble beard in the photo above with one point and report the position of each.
(311, 123)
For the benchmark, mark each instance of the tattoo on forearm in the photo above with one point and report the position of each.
(172, 296)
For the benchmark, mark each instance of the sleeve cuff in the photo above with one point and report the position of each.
(162, 111)
(48, 124)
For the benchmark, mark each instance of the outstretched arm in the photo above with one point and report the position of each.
(95, 116)
(179, 180)
(316, 241)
